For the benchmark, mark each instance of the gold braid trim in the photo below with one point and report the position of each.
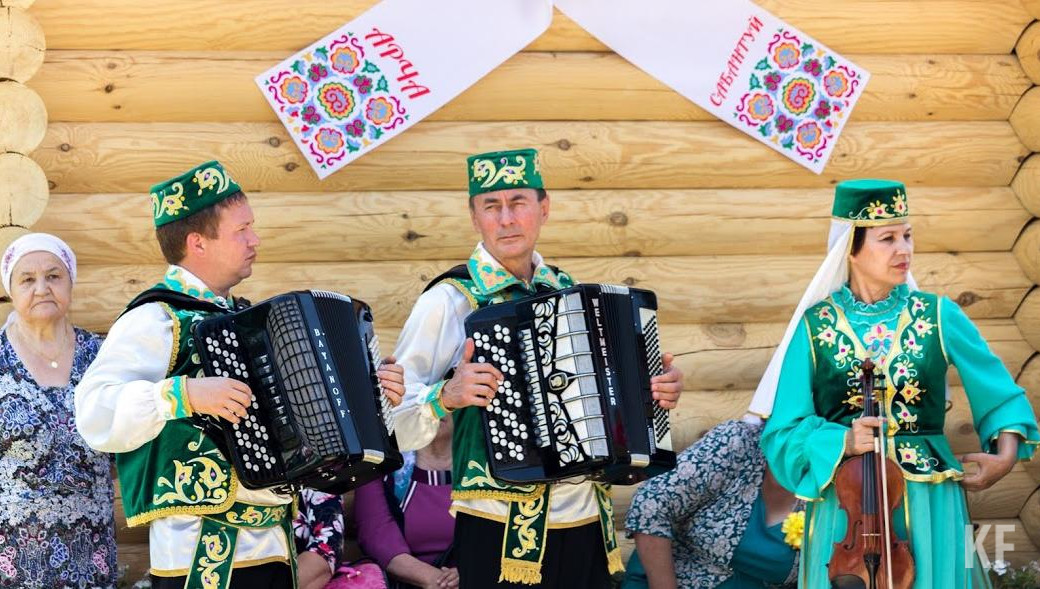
(176, 336)
(500, 495)
(522, 572)
(198, 510)
(465, 292)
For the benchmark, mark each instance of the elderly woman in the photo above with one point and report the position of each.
(718, 520)
(864, 304)
(56, 526)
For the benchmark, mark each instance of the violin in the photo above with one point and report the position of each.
(870, 488)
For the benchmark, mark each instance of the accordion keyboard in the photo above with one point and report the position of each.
(566, 353)
(510, 436)
(250, 434)
(385, 407)
(648, 322)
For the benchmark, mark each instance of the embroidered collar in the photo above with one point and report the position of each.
(181, 280)
(490, 276)
(890, 305)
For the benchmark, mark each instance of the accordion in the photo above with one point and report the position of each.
(576, 397)
(318, 417)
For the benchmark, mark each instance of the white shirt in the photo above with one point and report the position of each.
(430, 343)
(119, 408)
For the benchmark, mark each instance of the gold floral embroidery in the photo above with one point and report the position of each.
(523, 523)
(911, 391)
(207, 178)
(907, 453)
(827, 335)
(257, 518)
(907, 420)
(199, 480)
(171, 204)
(218, 550)
(490, 174)
(477, 475)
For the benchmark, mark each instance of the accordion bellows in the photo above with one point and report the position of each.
(318, 417)
(576, 397)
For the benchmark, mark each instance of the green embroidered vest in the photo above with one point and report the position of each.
(915, 370)
(471, 476)
(181, 471)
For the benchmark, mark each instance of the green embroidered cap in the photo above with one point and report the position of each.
(871, 202)
(500, 170)
(182, 196)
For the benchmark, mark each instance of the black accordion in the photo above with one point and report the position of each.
(576, 398)
(318, 417)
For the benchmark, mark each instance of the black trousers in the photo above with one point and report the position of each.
(574, 557)
(273, 575)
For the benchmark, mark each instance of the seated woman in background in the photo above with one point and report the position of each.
(56, 522)
(717, 520)
(403, 521)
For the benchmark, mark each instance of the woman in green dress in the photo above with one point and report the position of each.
(863, 303)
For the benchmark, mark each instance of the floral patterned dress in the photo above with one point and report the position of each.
(318, 526)
(56, 522)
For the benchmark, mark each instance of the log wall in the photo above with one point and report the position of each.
(647, 189)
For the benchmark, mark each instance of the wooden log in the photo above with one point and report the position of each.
(1028, 318)
(9, 234)
(1030, 516)
(1012, 533)
(1027, 251)
(733, 357)
(129, 157)
(1028, 51)
(1032, 7)
(1027, 185)
(23, 118)
(21, 44)
(1025, 119)
(1005, 499)
(989, 285)
(23, 4)
(149, 86)
(23, 190)
(343, 227)
(852, 26)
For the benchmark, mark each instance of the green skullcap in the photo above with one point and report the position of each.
(871, 202)
(501, 170)
(182, 196)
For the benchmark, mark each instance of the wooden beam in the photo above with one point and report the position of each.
(850, 26)
(377, 226)
(1028, 318)
(151, 86)
(756, 289)
(130, 157)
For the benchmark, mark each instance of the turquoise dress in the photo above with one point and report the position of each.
(761, 560)
(913, 337)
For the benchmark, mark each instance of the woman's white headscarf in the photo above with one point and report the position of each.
(832, 274)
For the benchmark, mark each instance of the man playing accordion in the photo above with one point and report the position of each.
(137, 398)
(558, 534)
